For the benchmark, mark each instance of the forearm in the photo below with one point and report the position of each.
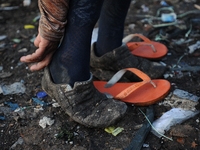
(53, 18)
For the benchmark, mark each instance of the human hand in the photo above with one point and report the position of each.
(42, 56)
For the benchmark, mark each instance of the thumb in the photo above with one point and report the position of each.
(37, 40)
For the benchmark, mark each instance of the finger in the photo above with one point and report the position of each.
(37, 40)
(42, 64)
(34, 57)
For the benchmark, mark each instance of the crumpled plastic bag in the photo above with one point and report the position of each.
(170, 118)
(183, 108)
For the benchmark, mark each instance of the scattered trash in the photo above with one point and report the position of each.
(32, 39)
(197, 6)
(41, 94)
(26, 2)
(19, 113)
(16, 40)
(2, 45)
(5, 111)
(55, 105)
(36, 110)
(13, 106)
(183, 108)
(28, 26)
(5, 74)
(2, 37)
(114, 131)
(5, 5)
(37, 101)
(186, 68)
(194, 47)
(14, 88)
(9, 8)
(23, 50)
(145, 8)
(163, 3)
(2, 118)
(36, 18)
(45, 121)
(171, 17)
(145, 145)
(19, 141)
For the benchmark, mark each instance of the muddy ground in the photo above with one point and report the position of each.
(21, 130)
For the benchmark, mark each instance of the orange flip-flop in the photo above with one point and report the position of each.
(142, 93)
(147, 48)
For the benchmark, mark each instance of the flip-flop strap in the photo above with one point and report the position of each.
(130, 89)
(131, 36)
(145, 39)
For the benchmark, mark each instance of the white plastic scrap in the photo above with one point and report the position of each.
(26, 2)
(170, 118)
(183, 107)
(46, 121)
(19, 141)
(2, 37)
(55, 105)
(14, 88)
(194, 47)
(171, 17)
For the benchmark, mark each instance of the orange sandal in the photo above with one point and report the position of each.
(147, 49)
(142, 93)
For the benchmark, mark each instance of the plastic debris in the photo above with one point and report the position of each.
(9, 8)
(16, 40)
(5, 74)
(145, 8)
(114, 131)
(194, 47)
(46, 121)
(163, 3)
(171, 17)
(183, 107)
(28, 26)
(2, 118)
(23, 50)
(41, 94)
(5, 111)
(32, 39)
(13, 106)
(36, 18)
(55, 105)
(19, 141)
(14, 88)
(2, 37)
(37, 101)
(2, 45)
(26, 2)
(36, 110)
(170, 118)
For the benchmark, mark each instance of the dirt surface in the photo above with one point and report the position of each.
(21, 130)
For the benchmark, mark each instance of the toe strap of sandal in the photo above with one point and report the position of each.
(134, 86)
(145, 39)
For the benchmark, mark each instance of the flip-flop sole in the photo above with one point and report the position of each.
(145, 51)
(143, 96)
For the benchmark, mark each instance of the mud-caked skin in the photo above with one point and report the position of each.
(83, 103)
(121, 58)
